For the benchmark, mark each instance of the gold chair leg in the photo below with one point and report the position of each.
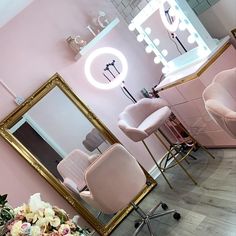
(186, 172)
(176, 160)
(209, 153)
(162, 142)
(157, 164)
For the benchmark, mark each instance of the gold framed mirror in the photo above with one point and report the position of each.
(40, 115)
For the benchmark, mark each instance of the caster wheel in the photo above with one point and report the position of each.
(176, 216)
(164, 206)
(136, 225)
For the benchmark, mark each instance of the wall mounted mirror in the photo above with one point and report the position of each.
(50, 124)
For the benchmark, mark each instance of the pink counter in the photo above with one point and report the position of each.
(185, 99)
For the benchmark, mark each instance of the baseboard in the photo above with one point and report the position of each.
(155, 172)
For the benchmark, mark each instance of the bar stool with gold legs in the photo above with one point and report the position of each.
(138, 121)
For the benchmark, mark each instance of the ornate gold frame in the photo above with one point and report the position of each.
(13, 118)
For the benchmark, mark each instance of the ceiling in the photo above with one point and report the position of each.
(10, 8)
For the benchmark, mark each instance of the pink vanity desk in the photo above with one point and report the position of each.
(183, 91)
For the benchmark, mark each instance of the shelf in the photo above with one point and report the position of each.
(97, 38)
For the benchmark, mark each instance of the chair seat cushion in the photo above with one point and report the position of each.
(155, 120)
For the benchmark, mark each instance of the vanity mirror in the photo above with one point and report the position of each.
(50, 124)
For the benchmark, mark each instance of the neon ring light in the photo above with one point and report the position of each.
(119, 78)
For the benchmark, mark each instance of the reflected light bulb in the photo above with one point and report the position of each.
(156, 42)
(182, 26)
(131, 27)
(140, 38)
(148, 49)
(191, 39)
(164, 52)
(157, 60)
(148, 30)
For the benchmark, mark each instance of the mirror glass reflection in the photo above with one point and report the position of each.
(52, 129)
(57, 134)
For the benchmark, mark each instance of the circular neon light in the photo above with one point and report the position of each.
(119, 78)
(171, 27)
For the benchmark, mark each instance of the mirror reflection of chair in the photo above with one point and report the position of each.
(72, 169)
(138, 121)
(93, 140)
(220, 100)
(114, 180)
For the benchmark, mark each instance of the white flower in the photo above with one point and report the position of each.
(35, 230)
(49, 212)
(35, 203)
(64, 230)
(16, 229)
(55, 222)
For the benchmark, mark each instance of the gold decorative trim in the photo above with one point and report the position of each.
(15, 116)
(200, 70)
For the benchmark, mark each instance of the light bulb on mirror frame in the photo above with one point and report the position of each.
(191, 39)
(164, 52)
(157, 60)
(148, 30)
(131, 27)
(140, 38)
(165, 70)
(148, 49)
(156, 41)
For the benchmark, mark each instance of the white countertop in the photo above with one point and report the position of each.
(191, 69)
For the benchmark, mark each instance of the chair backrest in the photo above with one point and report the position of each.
(220, 100)
(134, 114)
(114, 179)
(73, 166)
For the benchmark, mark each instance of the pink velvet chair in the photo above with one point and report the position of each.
(142, 119)
(72, 169)
(114, 180)
(220, 100)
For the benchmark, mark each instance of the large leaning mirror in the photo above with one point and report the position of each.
(51, 124)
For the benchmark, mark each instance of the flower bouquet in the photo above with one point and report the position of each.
(39, 218)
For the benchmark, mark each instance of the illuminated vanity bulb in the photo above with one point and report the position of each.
(156, 42)
(182, 26)
(140, 38)
(191, 39)
(164, 70)
(148, 49)
(148, 30)
(164, 52)
(157, 60)
(131, 27)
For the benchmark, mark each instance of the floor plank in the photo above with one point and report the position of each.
(206, 209)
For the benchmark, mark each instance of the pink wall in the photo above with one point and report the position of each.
(33, 48)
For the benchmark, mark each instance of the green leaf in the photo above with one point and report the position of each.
(3, 199)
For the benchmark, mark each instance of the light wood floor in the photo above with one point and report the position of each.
(208, 209)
